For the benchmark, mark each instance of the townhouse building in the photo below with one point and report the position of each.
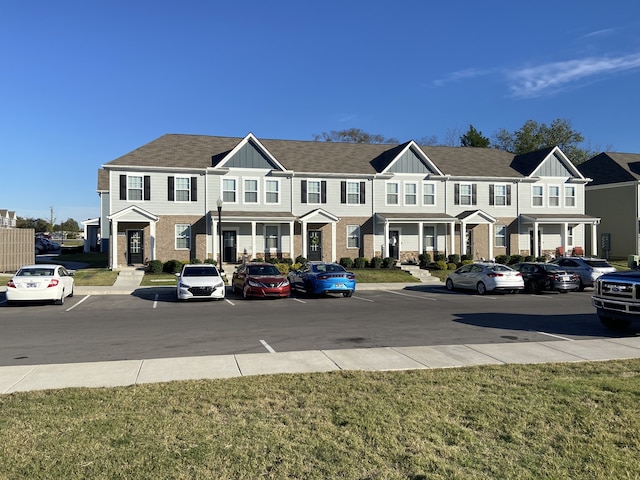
(189, 197)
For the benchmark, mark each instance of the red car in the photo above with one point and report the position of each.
(256, 279)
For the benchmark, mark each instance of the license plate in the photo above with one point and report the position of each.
(340, 285)
(32, 285)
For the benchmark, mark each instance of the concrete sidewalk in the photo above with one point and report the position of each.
(133, 372)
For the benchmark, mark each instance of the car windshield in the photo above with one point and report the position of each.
(35, 272)
(597, 263)
(330, 267)
(263, 270)
(549, 267)
(499, 268)
(200, 272)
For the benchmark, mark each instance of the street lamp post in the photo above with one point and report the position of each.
(219, 205)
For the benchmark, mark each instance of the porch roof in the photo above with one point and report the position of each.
(253, 216)
(530, 218)
(382, 218)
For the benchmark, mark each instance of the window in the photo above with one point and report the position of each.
(501, 235)
(183, 187)
(229, 190)
(466, 194)
(392, 193)
(183, 236)
(569, 236)
(313, 191)
(537, 196)
(429, 237)
(271, 237)
(353, 236)
(570, 196)
(554, 196)
(250, 190)
(272, 191)
(498, 194)
(410, 193)
(353, 192)
(429, 193)
(134, 188)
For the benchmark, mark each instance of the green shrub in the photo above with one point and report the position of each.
(502, 259)
(440, 265)
(346, 262)
(541, 259)
(515, 259)
(172, 266)
(287, 261)
(467, 261)
(210, 261)
(466, 257)
(296, 266)
(388, 262)
(454, 258)
(283, 268)
(376, 262)
(424, 259)
(440, 257)
(301, 259)
(196, 261)
(529, 258)
(155, 266)
(360, 262)
(452, 266)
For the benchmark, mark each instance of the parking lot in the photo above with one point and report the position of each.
(151, 324)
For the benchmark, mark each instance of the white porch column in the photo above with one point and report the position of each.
(386, 240)
(565, 236)
(253, 239)
(452, 237)
(291, 241)
(114, 245)
(333, 241)
(303, 232)
(463, 239)
(152, 240)
(420, 238)
(491, 230)
(536, 247)
(594, 239)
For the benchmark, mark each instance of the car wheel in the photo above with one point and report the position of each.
(581, 287)
(308, 288)
(449, 284)
(347, 294)
(71, 294)
(533, 287)
(60, 301)
(564, 291)
(481, 288)
(245, 292)
(614, 323)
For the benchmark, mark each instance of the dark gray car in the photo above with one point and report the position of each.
(588, 269)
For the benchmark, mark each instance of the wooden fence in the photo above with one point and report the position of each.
(17, 248)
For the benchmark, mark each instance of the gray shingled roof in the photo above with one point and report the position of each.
(611, 167)
(201, 151)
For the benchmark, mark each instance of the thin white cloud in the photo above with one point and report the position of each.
(462, 75)
(543, 79)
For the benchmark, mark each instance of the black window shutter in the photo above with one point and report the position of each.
(363, 197)
(303, 191)
(474, 195)
(170, 192)
(456, 194)
(194, 189)
(147, 187)
(123, 187)
(491, 195)
(508, 194)
(323, 191)
(343, 192)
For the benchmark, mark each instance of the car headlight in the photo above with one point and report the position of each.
(253, 283)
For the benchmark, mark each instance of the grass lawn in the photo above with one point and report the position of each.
(577, 420)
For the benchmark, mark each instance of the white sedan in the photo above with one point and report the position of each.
(200, 281)
(485, 277)
(40, 283)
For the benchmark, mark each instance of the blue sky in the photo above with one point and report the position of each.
(84, 82)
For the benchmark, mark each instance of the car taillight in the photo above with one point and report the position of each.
(53, 283)
(494, 275)
(323, 277)
(10, 284)
(351, 277)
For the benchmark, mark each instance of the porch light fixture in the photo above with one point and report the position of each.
(219, 205)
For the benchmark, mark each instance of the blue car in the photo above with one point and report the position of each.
(317, 278)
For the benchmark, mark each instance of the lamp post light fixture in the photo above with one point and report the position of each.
(219, 205)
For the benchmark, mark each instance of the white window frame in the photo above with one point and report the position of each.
(268, 191)
(557, 198)
(268, 236)
(570, 235)
(425, 236)
(570, 200)
(500, 236)
(539, 197)
(179, 234)
(496, 195)
(353, 193)
(177, 192)
(392, 195)
(410, 198)
(314, 197)
(226, 193)
(135, 188)
(465, 195)
(353, 236)
(426, 194)
(246, 190)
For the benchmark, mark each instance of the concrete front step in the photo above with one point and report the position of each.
(416, 271)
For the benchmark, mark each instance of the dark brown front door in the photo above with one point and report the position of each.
(135, 244)
(315, 245)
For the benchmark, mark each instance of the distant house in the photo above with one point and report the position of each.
(614, 196)
(328, 200)
(7, 218)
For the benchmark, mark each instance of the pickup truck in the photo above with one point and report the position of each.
(617, 298)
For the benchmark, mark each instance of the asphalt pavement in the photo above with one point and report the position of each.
(131, 372)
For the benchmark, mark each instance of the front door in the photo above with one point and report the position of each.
(315, 245)
(229, 246)
(135, 251)
(394, 244)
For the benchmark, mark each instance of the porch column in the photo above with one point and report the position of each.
(463, 239)
(491, 230)
(386, 240)
(594, 239)
(253, 239)
(291, 241)
(452, 237)
(421, 237)
(114, 245)
(333, 241)
(536, 247)
(565, 236)
(303, 232)
(152, 240)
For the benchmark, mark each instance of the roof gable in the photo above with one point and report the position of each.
(608, 167)
(250, 153)
(548, 162)
(409, 158)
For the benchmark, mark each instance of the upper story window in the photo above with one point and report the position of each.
(250, 190)
(500, 194)
(182, 189)
(229, 190)
(135, 187)
(313, 191)
(465, 194)
(429, 193)
(570, 196)
(272, 191)
(352, 192)
(393, 192)
(554, 196)
(537, 196)
(410, 193)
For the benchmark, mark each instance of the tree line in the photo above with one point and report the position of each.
(528, 138)
(46, 226)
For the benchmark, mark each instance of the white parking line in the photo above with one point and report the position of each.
(363, 299)
(413, 296)
(155, 301)
(74, 306)
(267, 346)
(554, 336)
(298, 300)
(229, 302)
